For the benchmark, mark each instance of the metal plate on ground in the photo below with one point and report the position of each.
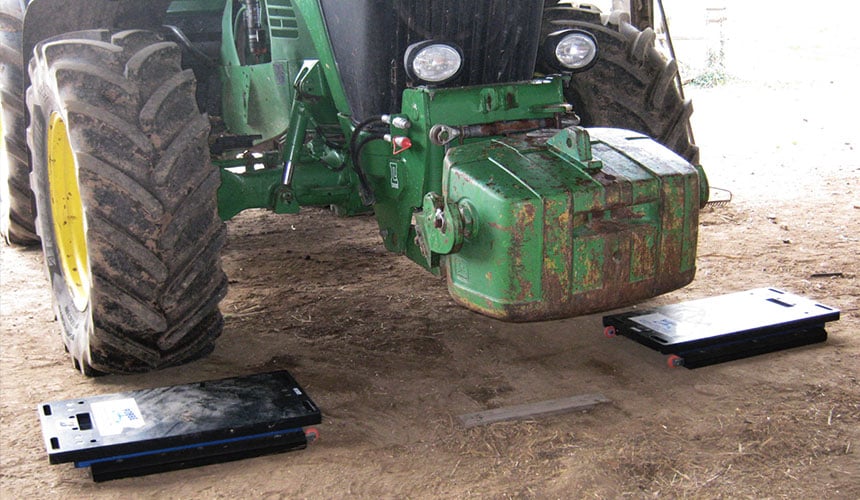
(166, 428)
(732, 326)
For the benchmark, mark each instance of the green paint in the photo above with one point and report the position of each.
(420, 168)
(544, 224)
(575, 144)
(537, 252)
(257, 95)
(549, 223)
(311, 15)
(314, 184)
(243, 191)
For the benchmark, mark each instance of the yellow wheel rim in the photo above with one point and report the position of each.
(68, 212)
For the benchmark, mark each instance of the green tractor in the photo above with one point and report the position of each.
(536, 154)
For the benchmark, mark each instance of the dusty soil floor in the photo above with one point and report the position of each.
(392, 361)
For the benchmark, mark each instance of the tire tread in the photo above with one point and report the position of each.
(149, 191)
(18, 226)
(631, 86)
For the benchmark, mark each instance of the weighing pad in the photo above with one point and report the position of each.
(168, 428)
(717, 329)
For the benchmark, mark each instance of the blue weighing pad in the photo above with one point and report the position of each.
(167, 428)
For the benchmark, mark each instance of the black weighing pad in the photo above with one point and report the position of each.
(733, 326)
(167, 428)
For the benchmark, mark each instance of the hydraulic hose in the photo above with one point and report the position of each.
(355, 148)
(353, 140)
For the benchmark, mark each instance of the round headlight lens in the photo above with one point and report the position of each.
(434, 62)
(576, 50)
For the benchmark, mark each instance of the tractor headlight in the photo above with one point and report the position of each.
(433, 62)
(571, 50)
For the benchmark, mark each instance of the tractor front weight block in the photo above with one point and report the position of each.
(551, 224)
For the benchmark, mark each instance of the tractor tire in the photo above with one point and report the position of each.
(631, 85)
(642, 14)
(17, 212)
(126, 199)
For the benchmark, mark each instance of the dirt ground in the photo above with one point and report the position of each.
(392, 361)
